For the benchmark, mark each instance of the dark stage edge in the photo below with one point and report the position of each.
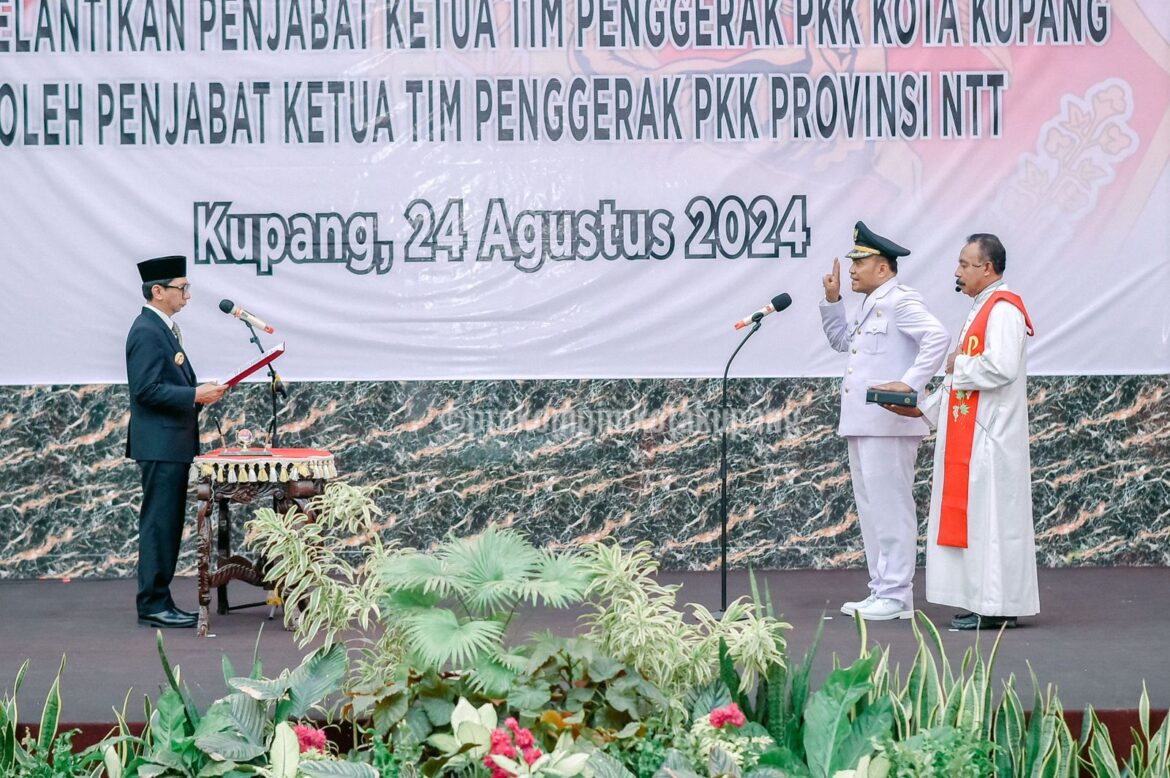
(1100, 633)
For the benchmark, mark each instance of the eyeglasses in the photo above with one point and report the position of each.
(184, 289)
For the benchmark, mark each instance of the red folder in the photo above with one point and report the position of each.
(254, 365)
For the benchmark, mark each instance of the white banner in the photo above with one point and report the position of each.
(434, 189)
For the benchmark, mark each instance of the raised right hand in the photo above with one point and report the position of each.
(832, 282)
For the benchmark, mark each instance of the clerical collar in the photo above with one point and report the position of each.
(990, 290)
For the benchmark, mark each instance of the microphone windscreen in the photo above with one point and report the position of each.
(227, 306)
(781, 301)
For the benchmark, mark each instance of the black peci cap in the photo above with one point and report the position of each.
(162, 268)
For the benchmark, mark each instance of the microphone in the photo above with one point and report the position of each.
(779, 303)
(230, 308)
(958, 286)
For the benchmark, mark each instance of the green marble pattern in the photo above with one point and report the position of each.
(571, 461)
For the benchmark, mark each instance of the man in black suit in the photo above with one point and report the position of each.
(164, 433)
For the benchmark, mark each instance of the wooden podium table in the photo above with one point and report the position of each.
(289, 476)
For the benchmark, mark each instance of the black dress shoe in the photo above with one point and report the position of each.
(188, 614)
(975, 621)
(171, 617)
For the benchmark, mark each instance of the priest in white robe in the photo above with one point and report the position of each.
(980, 545)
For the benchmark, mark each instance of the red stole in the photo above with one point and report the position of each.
(961, 407)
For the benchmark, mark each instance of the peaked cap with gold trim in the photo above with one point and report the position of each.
(867, 243)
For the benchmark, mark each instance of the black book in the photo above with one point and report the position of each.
(886, 397)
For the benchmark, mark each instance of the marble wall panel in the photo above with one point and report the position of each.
(570, 461)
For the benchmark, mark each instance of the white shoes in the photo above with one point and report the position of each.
(849, 607)
(875, 608)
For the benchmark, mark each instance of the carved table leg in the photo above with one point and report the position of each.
(203, 554)
(224, 553)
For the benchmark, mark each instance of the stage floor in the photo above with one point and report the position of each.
(1100, 633)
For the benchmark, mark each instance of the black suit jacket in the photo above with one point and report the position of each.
(164, 419)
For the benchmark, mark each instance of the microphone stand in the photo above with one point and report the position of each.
(275, 385)
(756, 319)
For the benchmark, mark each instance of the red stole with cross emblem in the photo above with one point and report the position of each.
(962, 406)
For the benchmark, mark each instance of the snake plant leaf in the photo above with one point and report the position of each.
(111, 762)
(173, 679)
(51, 714)
(229, 671)
(1009, 731)
(8, 721)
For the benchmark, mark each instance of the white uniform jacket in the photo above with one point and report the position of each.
(892, 338)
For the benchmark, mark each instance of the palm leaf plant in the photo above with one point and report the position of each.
(453, 606)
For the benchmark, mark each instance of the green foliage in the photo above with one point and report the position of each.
(453, 607)
(246, 732)
(939, 751)
(640, 756)
(50, 753)
(630, 700)
(325, 593)
(841, 726)
(1150, 754)
(635, 620)
(570, 683)
(1042, 746)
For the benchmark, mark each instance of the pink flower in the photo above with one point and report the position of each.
(501, 744)
(309, 738)
(497, 771)
(729, 714)
(524, 739)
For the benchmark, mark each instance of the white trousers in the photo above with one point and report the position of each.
(882, 470)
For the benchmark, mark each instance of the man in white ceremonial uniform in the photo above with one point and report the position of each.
(980, 545)
(892, 339)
